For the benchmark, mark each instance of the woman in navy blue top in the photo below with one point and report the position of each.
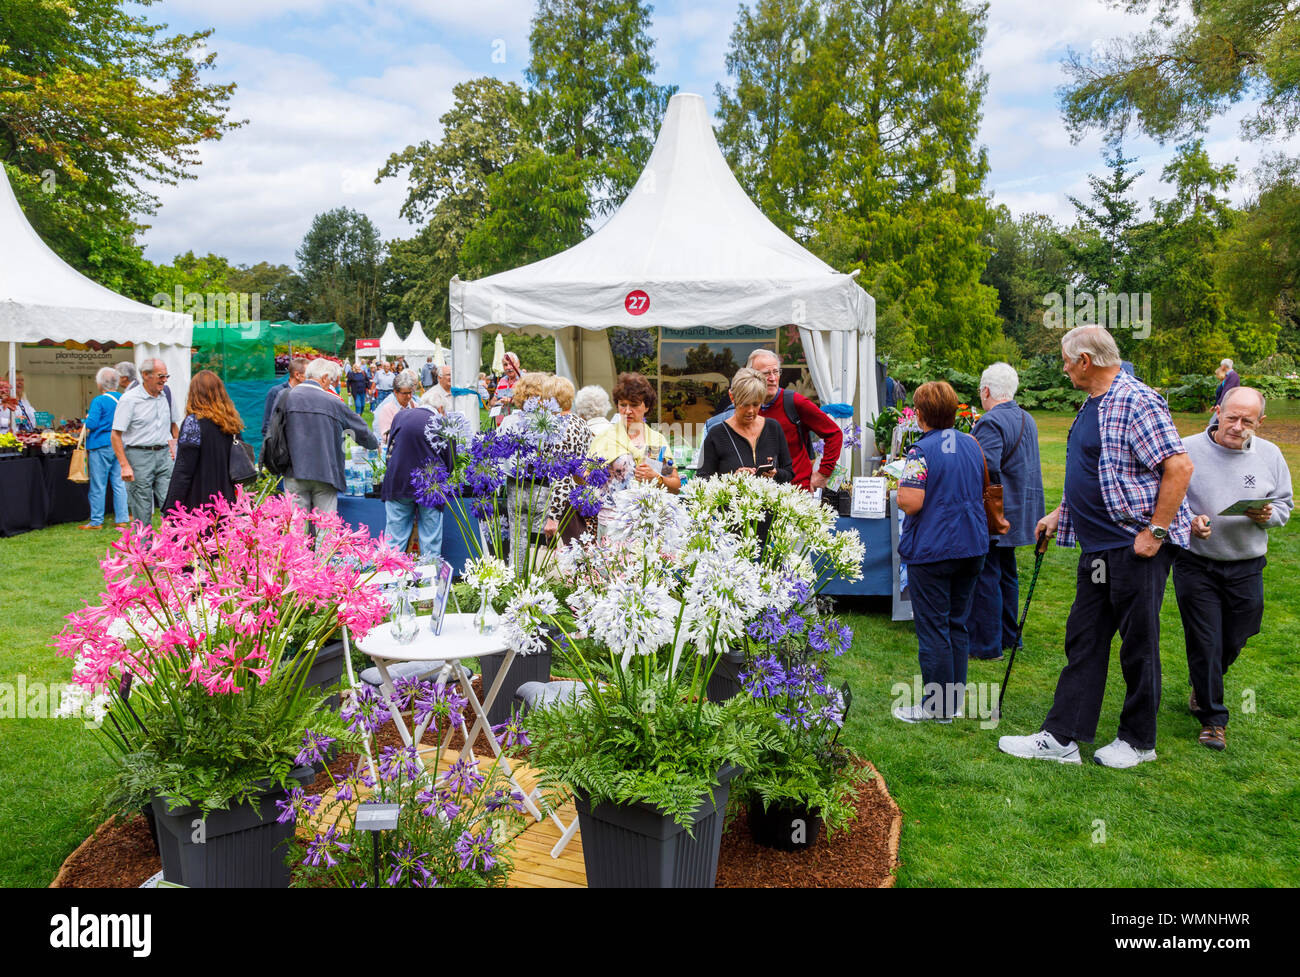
(943, 543)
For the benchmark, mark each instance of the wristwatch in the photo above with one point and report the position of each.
(1159, 532)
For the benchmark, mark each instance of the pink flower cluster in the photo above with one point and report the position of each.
(212, 595)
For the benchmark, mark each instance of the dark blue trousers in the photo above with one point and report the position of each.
(992, 621)
(941, 597)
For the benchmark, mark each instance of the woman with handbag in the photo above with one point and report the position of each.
(210, 458)
(944, 541)
(103, 467)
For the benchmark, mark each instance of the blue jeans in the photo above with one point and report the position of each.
(359, 401)
(941, 599)
(398, 517)
(993, 613)
(106, 471)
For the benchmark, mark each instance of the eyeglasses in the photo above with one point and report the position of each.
(774, 372)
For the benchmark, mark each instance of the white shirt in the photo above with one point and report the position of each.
(437, 399)
(143, 421)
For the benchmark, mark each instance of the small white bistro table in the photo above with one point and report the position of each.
(459, 640)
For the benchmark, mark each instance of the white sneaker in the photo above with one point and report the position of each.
(1041, 746)
(917, 714)
(1121, 755)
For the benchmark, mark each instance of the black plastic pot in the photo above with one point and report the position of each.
(525, 668)
(786, 827)
(326, 671)
(236, 848)
(846, 503)
(636, 847)
(724, 683)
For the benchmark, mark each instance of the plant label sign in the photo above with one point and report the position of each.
(377, 817)
(636, 302)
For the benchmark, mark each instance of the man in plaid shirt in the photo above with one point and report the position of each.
(1126, 475)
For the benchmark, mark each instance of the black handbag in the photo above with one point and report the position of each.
(242, 468)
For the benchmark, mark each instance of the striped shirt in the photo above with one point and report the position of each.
(1137, 435)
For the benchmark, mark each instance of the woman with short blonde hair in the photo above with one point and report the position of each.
(747, 442)
(560, 390)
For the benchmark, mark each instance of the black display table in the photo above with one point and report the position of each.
(36, 493)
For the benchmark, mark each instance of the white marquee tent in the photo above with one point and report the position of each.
(42, 298)
(390, 343)
(417, 344)
(687, 248)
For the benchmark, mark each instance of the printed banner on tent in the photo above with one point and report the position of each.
(70, 358)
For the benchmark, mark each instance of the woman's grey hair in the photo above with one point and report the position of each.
(107, 378)
(1001, 379)
(406, 380)
(1097, 342)
(126, 369)
(591, 402)
(748, 387)
(1226, 362)
(323, 369)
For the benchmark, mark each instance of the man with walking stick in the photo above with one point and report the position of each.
(1126, 475)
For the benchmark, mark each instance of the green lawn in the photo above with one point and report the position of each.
(971, 815)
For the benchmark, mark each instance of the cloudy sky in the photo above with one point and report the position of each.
(331, 87)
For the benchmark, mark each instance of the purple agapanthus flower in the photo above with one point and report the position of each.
(476, 851)
(319, 848)
(438, 803)
(366, 712)
(395, 762)
(432, 486)
(765, 679)
(769, 628)
(297, 802)
(409, 865)
(314, 748)
(462, 777)
(501, 798)
(356, 777)
(511, 733)
(830, 637)
(444, 708)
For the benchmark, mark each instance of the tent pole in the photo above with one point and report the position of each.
(13, 364)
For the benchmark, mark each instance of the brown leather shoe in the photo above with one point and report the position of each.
(1215, 737)
(90, 525)
(1192, 704)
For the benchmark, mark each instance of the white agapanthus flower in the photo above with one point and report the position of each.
(631, 618)
(525, 617)
(487, 573)
(646, 511)
(721, 595)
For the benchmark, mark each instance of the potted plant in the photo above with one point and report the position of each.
(454, 823)
(652, 610)
(187, 657)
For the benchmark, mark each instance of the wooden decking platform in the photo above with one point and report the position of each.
(534, 868)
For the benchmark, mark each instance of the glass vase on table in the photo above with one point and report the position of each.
(404, 626)
(486, 619)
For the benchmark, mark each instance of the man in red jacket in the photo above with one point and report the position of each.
(801, 419)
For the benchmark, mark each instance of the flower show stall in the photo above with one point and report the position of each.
(43, 301)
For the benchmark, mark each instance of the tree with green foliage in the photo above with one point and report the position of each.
(591, 97)
(95, 103)
(340, 262)
(769, 117)
(901, 197)
(1026, 261)
(447, 186)
(1104, 258)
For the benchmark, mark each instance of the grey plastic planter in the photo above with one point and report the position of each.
(636, 847)
(326, 670)
(724, 683)
(525, 668)
(238, 848)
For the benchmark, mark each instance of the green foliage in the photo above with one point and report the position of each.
(1027, 260)
(340, 262)
(1192, 392)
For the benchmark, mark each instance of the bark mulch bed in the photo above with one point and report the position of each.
(864, 856)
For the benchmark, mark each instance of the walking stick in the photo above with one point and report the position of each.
(1039, 551)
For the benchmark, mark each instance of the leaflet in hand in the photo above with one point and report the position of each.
(1239, 508)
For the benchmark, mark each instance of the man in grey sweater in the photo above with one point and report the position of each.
(1219, 578)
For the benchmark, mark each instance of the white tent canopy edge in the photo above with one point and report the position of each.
(43, 298)
(687, 248)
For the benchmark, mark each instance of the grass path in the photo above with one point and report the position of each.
(971, 815)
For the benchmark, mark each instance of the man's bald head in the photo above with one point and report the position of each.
(1249, 398)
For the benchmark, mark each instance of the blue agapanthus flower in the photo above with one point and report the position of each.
(631, 344)
(766, 679)
(830, 637)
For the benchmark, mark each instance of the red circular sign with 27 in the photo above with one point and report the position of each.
(636, 302)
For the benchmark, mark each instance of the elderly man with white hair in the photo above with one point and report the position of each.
(315, 419)
(1126, 475)
(438, 396)
(1219, 578)
(144, 440)
(1009, 438)
(105, 471)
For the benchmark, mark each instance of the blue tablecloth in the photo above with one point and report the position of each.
(360, 512)
(875, 581)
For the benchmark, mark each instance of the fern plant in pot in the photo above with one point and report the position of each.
(191, 657)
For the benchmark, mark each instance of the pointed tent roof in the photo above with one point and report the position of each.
(417, 343)
(390, 343)
(42, 297)
(689, 237)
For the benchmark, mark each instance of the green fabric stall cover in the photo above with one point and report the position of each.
(249, 397)
(324, 336)
(239, 352)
